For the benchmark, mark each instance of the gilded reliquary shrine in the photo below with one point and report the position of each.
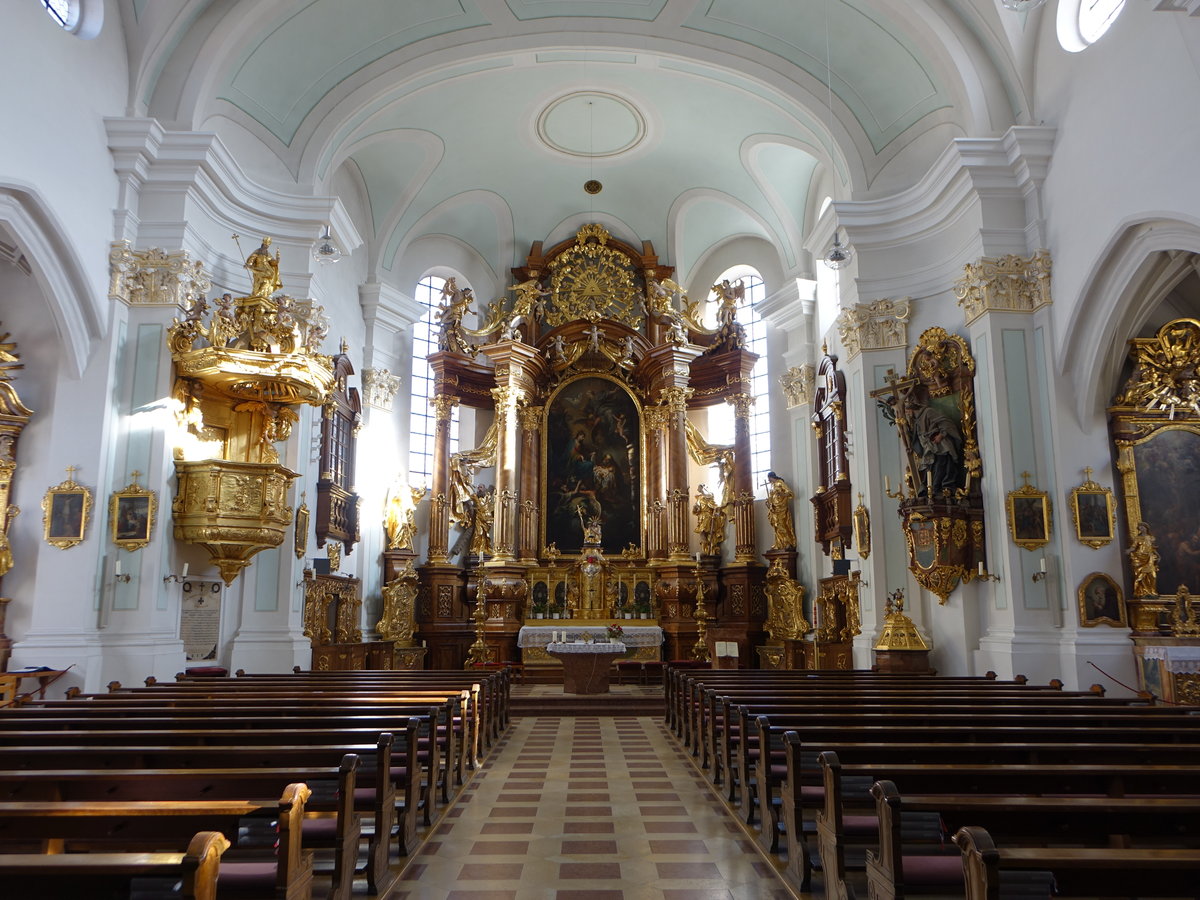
(243, 365)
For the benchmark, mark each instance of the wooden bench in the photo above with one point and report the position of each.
(111, 824)
(99, 876)
(330, 819)
(1077, 871)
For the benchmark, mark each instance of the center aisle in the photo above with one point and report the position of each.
(591, 807)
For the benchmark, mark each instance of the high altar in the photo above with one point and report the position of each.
(589, 374)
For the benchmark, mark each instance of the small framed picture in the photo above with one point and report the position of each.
(1101, 603)
(131, 513)
(1029, 519)
(1094, 514)
(65, 511)
(862, 529)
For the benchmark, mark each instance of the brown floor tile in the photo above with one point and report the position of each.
(679, 847)
(690, 894)
(512, 812)
(589, 828)
(507, 828)
(664, 811)
(688, 870)
(589, 895)
(518, 798)
(482, 895)
(588, 797)
(499, 848)
(653, 796)
(571, 848)
(591, 871)
(490, 871)
(592, 811)
(669, 827)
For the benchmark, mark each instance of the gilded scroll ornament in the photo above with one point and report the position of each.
(379, 388)
(882, 325)
(837, 609)
(1166, 374)
(154, 277)
(797, 384)
(785, 604)
(593, 281)
(1007, 283)
(398, 622)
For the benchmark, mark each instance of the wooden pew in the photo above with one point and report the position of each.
(844, 818)
(1103, 822)
(1078, 871)
(330, 820)
(375, 790)
(100, 876)
(288, 875)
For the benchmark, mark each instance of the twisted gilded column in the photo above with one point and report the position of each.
(439, 506)
(743, 487)
(678, 497)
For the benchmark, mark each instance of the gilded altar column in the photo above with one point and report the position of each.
(656, 426)
(678, 499)
(743, 488)
(527, 529)
(439, 505)
(508, 400)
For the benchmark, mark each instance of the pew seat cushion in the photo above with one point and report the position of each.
(322, 832)
(861, 825)
(933, 871)
(248, 878)
(207, 672)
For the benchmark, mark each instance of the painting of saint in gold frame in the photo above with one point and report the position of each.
(1029, 519)
(131, 516)
(1094, 514)
(1101, 603)
(65, 511)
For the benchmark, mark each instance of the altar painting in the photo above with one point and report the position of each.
(1168, 497)
(592, 456)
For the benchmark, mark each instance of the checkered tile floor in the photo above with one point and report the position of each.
(589, 807)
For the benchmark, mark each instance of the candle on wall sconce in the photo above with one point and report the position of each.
(185, 570)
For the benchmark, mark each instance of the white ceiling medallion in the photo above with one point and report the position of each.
(591, 125)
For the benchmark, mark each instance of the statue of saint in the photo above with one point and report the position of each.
(456, 303)
(710, 522)
(400, 515)
(937, 445)
(1143, 559)
(264, 271)
(779, 512)
(485, 510)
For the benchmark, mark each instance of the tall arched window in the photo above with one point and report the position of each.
(421, 419)
(720, 418)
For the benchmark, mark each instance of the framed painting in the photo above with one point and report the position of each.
(1166, 497)
(131, 516)
(1029, 519)
(1094, 513)
(1101, 603)
(592, 455)
(65, 511)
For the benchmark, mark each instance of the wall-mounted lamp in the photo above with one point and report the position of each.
(985, 575)
(167, 579)
(1040, 574)
(117, 576)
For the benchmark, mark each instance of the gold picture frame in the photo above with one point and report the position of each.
(862, 529)
(131, 515)
(300, 534)
(66, 508)
(1029, 516)
(1101, 602)
(1093, 512)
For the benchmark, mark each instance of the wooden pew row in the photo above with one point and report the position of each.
(330, 819)
(433, 745)
(453, 730)
(760, 760)
(1077, 872)
(482, 709)
(1161, 804)
(375, 787)
(723, 720)
(287, 874)
(101, 876)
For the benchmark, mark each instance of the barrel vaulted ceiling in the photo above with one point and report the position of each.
(480, 120)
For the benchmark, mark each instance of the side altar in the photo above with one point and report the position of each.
(578, 502)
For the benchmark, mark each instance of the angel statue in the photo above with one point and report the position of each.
(710, 522)
(400, 516)
(456, 303)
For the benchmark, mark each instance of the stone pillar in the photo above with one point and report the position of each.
(656, 448)
(530, 488)
(439, 506)
(678, 506)
(743, 487)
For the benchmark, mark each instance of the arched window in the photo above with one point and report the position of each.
(421, 419)
(720, 418)
(82, 18)
(60, 11)
(1082, 22)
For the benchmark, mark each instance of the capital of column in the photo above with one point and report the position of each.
(675, 399)
(741, 404)
(798, 384)
(530, 417)
(443, 407)
(881, 325)
(1007, 283)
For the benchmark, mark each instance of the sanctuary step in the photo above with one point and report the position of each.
(549, 700)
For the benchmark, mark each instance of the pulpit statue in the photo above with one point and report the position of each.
(779, 512)
(264, 271)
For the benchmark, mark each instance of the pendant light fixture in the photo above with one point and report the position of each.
(324, 250)
(839, 254)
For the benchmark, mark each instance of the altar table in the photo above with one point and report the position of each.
(632, 636)
(585, 666)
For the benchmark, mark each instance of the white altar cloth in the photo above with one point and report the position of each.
(631, 636)
(1180, 659)
(586, 647)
